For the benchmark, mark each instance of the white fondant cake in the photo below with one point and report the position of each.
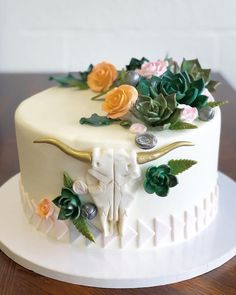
(128, 217)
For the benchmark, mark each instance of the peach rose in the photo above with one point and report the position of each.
(102, 77)
(119, 100)
(45, 208)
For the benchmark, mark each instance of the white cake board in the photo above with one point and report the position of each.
(117, 269)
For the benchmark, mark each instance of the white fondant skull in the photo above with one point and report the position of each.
(110, 183)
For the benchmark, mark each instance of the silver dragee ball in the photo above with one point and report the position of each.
(206, 113)
(132, 78)
(89, 211)
(146, 141)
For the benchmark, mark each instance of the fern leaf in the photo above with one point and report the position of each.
(179, 166)
(214, 104)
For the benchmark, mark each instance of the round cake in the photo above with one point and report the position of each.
(96, 179)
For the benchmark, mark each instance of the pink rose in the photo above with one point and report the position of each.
(138, 128)
(188, 114)
(156, 68)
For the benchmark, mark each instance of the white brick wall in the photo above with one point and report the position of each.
(56, 35)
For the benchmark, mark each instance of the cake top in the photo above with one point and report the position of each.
(146, 96)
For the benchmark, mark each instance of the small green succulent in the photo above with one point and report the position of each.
(157, 111)
(69, 204)
(159, 179)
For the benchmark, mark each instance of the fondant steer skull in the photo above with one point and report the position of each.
(112, 178)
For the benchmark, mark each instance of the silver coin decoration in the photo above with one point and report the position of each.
(132, 78)
(146, 141)
(89, 211)
(206, 113)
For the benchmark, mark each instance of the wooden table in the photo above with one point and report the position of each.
(16, 280)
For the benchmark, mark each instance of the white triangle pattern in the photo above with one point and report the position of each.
(145, 233)
(192, 222)
(161, 230)
(177, 228)
(127, 237)
(107, 240)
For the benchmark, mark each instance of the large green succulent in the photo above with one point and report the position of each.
(157, 111)
(187, 90)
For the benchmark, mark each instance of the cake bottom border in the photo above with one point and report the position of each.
(118, 269)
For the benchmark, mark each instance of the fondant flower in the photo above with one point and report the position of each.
(79, 187)
(69, 204)
(159, 180)
(45, 208)
(156, 68)
(119, 100)
(188, 114)
(138, 128)
(102, 77)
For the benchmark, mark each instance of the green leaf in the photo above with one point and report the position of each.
(68, 182)
(189, 65)
(182, 125)
(135, 63)
(214, 104)
(82, 226)
(212, 85)
(96, 120)
(143, 88)
(122, 76)
(175, 116)
(125, 123)
(179, 166)
(70, 81)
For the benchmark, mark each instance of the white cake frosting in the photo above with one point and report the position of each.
(144, 220)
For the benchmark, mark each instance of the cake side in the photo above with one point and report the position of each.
(42, 167)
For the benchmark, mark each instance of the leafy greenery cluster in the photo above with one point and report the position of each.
(159, 97)
(70, 208)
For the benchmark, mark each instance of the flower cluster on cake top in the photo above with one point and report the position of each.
(159, 94)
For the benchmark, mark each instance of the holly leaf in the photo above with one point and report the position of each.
(214, 104)
(70, 81)
(96, 120)
(83, 227)
(179, 166)
(182, 125)
(68, 182)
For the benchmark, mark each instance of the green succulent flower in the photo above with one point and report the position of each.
(157, 111)
(159, 180)
(187, 90)
(69, 204)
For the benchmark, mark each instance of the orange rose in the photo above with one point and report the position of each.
(102, 77)
(119, 100)
(45, 208)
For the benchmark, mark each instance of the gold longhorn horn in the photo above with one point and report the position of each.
(83, 156)
(145, 157)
